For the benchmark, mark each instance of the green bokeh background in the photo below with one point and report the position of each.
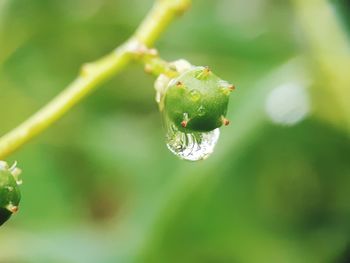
(101, 186)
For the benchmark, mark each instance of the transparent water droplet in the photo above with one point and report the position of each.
(193, 146)
(201, 111)
(195, 95)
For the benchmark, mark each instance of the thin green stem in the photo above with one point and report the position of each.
(93, 74)
(156, 66)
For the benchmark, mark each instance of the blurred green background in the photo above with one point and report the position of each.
(101, 186)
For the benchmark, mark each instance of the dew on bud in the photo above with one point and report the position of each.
(193, 107)
(193, 146)
(201, 111)
(195, 95)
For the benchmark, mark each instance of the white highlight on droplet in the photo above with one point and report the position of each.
(287, 104)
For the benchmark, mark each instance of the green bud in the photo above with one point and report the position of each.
(197, 100)
(9, 191)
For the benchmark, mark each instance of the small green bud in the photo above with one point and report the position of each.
(9, 191)
(197, 100)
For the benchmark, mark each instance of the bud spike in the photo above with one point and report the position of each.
(203, 73)
(12, 208)
(232, 87)
(179, 84)
(225, 121)
(13, 167)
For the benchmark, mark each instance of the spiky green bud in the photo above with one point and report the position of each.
(9, 191)
(197, 100)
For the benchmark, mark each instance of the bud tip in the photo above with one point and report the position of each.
(12, 208)
(225, 121)
(179, 84)
(232, 87)
(184, 124)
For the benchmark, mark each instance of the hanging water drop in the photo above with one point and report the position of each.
(193, 146)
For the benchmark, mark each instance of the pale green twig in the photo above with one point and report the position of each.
(93, 74)
(330, 50)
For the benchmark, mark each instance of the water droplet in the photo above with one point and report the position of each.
(193, 146)
(195, 95)
(201, 111)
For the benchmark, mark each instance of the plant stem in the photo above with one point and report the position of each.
(156, 66)
(93, 74)
(330, 52)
